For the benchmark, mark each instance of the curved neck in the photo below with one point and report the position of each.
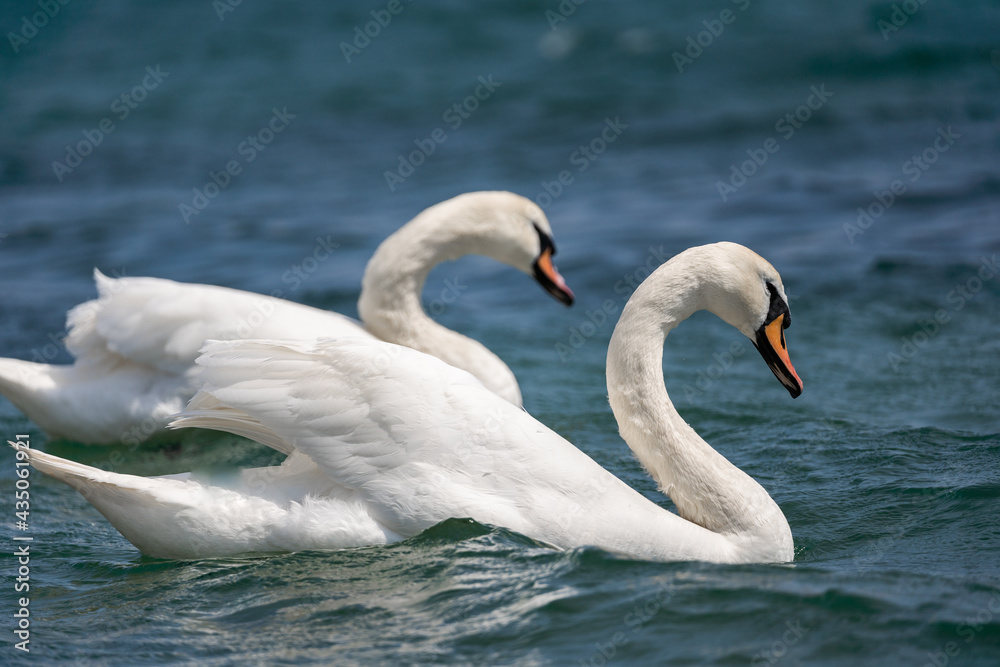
(706, 488)
(390, 302)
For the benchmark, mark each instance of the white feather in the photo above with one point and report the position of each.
(389, 441)
(136, 344)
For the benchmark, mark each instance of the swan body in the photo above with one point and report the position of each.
(384, 442)
(135, 346)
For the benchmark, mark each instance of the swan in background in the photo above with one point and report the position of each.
(136, 345)
(384, 442)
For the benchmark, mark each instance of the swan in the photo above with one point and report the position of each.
(384, 442)
(135, 346)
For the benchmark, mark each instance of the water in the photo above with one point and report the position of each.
(886, 466)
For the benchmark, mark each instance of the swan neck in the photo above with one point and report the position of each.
(706, 488)
(390, 304)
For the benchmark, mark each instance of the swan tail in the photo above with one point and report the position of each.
(165, 517)
(28, 386)
(120, 498)
(178, 518)
(81, 477)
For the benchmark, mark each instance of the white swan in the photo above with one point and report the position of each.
(385, 442)
(136, 345)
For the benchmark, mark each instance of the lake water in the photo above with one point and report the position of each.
(855, 146)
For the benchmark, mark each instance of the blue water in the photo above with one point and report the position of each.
(887, 466)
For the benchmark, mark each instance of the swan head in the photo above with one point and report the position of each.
(508, 228)
(748, 294)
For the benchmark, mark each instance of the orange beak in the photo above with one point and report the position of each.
(549, 278)
(770, 343)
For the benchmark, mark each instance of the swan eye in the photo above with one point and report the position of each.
(545, 241)
(777, 307)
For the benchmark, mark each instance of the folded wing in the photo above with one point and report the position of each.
(418, 440)
(162, 324)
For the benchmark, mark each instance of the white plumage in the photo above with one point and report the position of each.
(385, 442)
(135, 345)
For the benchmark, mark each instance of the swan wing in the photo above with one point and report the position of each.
(417, 440)
(162, 324)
